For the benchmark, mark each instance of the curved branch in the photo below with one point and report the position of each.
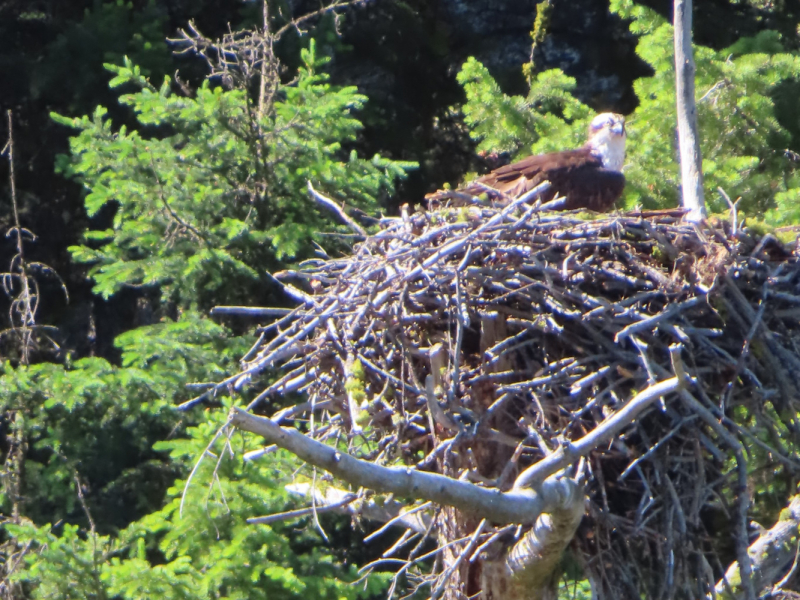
(528, 570)
(326, 202)
(517, 506)
(569, 452)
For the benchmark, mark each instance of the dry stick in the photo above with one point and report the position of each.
(26, 297)
(302, 512)
(778, 586)
(372, 366)
(656, 446)
(92, 529)
(742, 556)
(254, 348)
(395, 520)
(291, 411)
(408, 564)
(292, 381)
(291, 291)
(260, 453)
(290, 346)
(194, 401)
(250, 311)
(462, 321)
(456, 245)
(496, 535)
(445, 576)
(331, 205)
(207, 451)
(332, 7)
(407, 536)
(748, 340)
(276, 324)
(435, 411)
(651, 322)
(215, 474)
(569, 452)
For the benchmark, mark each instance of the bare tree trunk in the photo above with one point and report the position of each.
(688, 142)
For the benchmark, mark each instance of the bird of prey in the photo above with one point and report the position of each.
(589, 177)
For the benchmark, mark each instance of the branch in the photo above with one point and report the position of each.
(304, 512)
(333, 206)
(517, 506)
(170, 210)
(459, 243)
(389, 512)
(771, 554)
(569, 452)
(250, 311)
(745, 575)
(527, 570)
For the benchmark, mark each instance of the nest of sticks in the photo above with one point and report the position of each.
(532, 327)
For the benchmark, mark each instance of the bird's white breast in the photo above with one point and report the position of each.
(609, 148)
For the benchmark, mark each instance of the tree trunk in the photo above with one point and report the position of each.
(690, 159)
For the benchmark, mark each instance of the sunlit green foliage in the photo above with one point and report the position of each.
(547, 119)
(207, 551)
(742, 142)
(210, 193)
(202, 195)
(99, 421)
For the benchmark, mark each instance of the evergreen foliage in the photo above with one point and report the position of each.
(743, 142)
(206, 191)
(544, 121)
(209, 192)
(207, 551)
(100, 421)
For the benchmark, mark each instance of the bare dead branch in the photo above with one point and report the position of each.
(509, 507)
(329, 204)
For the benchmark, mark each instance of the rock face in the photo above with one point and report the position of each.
(583, 39)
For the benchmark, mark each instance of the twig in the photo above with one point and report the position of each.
(332, 206)
(397, 519)
(250, 311)
(445, 576)
(301, 512)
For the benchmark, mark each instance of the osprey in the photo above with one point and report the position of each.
(589, 177)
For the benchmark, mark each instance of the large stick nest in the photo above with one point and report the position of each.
(534, 328)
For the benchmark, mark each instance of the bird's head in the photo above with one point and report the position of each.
(607, 139)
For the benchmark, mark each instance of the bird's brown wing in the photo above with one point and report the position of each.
(575, 174)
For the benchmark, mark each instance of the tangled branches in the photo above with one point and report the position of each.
(484, 344)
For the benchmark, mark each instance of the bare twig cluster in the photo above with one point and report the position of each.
(241, 57)
(19, 281)
(23, 336)
(496, 346)
(246, 60)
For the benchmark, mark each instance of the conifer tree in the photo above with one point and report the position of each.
(209, 190)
